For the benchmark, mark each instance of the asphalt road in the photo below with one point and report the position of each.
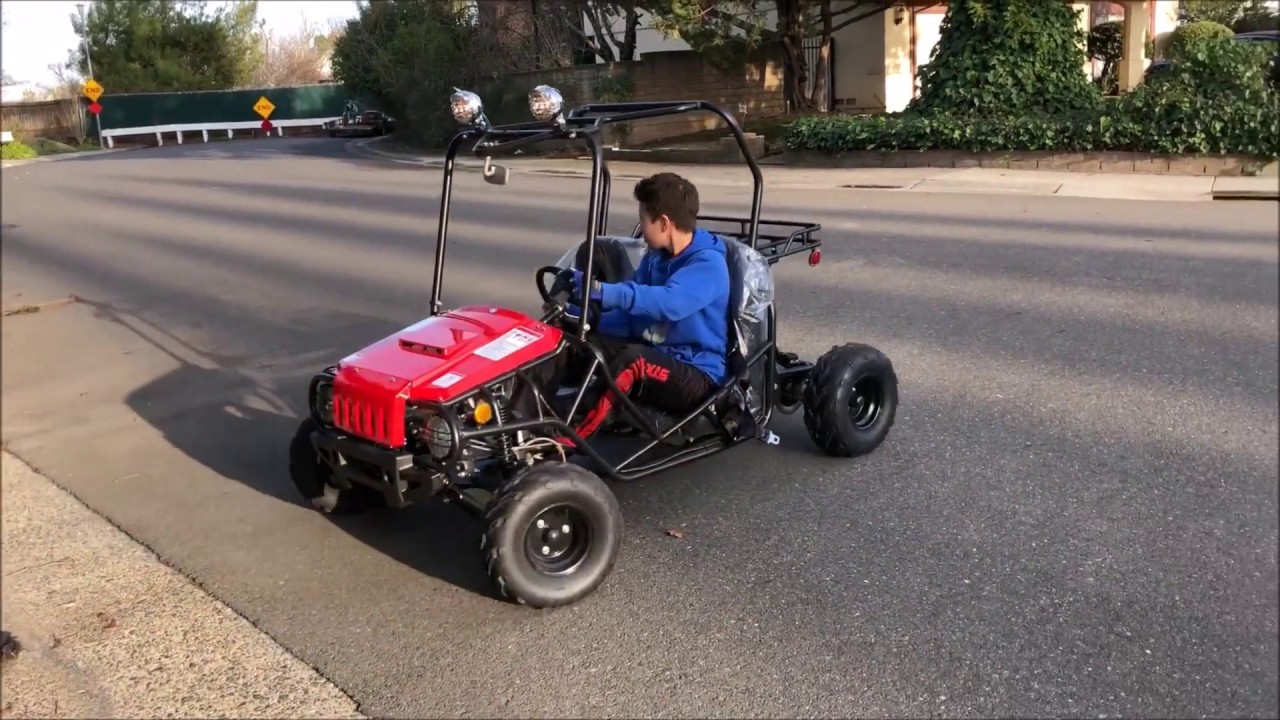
(1076, 513)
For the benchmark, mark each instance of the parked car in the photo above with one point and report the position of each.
(368, 122)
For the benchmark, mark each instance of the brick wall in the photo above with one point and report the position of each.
(682, 75)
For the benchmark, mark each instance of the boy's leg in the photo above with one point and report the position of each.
(648, 375)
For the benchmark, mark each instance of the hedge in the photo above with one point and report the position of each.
(1184, 37)
(1216, 100)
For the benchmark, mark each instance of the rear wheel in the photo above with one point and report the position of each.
(553, 535)
(851, 400)
(311, 475)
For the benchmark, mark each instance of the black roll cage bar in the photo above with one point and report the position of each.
(580, 123)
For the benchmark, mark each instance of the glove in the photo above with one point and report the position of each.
(575, 285)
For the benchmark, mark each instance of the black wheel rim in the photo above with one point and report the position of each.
(865, 402)
(557, 540)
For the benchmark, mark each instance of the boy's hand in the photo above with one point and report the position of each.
(576, 284)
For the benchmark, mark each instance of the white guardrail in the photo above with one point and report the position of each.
(205, 128)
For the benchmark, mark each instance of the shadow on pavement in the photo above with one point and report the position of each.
(245, 437)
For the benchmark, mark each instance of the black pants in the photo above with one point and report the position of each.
(645, 374)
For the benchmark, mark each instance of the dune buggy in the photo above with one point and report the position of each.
(458, 405)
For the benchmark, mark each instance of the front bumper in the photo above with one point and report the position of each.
(399, 476)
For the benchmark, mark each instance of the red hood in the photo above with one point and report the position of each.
(433, 361)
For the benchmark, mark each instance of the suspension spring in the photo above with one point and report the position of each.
(503, 439)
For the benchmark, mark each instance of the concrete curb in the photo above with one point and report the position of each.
(64, 156)
(1114, 186)
(363, 147)
(1246, 195)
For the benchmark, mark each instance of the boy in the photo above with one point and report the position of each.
(665, 332)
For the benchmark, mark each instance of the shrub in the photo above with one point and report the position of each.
(1105, 42)
(1185, 37)
(17, 151)
(1217, 100)
(1007, 57)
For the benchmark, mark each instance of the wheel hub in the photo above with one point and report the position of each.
(557, 540)
(865, 402)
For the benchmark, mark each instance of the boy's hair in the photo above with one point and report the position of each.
(671, 195)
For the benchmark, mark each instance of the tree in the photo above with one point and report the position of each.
(407, 56)
(166, 45)
(603, 18)
(294, 59)
(1239, 15)
(1006, 58)
(1106, 43)
(727, 30)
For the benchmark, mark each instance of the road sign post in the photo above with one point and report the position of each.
(264, 108)
(93, 91)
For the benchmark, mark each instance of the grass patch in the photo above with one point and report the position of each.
(40, 147)
(44, 146)
(17, 150)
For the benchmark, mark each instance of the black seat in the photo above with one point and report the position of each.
(616, 258)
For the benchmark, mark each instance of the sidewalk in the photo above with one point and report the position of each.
(1117, 186)
(107, 631)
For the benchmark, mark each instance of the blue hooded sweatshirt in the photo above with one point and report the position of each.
(679, 304)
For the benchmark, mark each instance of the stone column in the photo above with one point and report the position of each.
(1133, 60)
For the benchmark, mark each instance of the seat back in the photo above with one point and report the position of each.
(750, 295)
(616, 259)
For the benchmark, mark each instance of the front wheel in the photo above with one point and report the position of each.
(553, 535)
(851, 400)
(311, 476)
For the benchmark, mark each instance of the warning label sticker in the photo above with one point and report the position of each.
(511, 342)
(446, 380)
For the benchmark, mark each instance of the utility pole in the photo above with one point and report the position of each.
(84, 23)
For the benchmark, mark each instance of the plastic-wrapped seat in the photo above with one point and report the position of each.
(750, 296)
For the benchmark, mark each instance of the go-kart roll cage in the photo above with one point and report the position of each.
(584, 123)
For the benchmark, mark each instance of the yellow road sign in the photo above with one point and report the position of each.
(92, 90)
(264, 107)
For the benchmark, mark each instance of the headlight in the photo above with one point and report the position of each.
(437, 437)
(466, 107)
(545, 102)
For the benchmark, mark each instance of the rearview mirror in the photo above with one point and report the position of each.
(495, 174)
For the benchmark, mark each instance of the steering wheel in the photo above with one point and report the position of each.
(557, 298)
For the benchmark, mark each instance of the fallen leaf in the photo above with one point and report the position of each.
(106, 620)
(54, 641)
(676, 533)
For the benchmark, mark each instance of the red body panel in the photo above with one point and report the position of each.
(433, 361)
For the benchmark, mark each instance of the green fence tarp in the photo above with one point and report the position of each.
(222, 106)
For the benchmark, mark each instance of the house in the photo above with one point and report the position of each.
(876, 60)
